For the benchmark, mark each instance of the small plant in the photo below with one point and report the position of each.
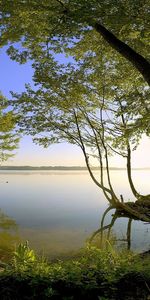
(23, 257)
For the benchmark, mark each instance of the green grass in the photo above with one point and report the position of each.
(95, 274)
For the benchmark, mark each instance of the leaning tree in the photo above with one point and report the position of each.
(79, 105)
(98, 97)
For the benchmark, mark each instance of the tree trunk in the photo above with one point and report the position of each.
(137, 60)
(134, 191)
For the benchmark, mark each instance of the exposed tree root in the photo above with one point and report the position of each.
(139, 210)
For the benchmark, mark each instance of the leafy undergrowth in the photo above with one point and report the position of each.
(96, 274)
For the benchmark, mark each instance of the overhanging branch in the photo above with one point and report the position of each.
(137, 60)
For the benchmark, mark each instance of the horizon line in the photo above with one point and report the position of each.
(67, 167)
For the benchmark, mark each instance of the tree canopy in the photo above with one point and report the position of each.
(84, 31)
(97, 97)
(124, 25)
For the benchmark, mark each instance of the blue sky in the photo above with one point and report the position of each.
(13, 78)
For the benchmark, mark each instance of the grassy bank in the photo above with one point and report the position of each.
(95, 274)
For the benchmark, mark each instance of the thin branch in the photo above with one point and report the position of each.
(99, 152)
(134, 191)
(86, 157)
(121, 154)
(60, 2)
(105, 149)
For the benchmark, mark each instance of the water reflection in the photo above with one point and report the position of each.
(8, 236)
(104, 232)
(61, 242)
(58, 211)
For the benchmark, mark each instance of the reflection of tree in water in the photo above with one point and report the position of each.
(119, 213)
(8, 235)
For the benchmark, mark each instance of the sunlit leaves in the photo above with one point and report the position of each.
(93, 82)
(8, 137)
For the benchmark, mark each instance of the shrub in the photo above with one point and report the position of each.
(95, 274)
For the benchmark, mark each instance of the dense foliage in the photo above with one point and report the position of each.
(95, 274)
(8, 137)
(60, 23)
(91, 74)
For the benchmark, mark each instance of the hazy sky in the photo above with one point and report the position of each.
(12, 78)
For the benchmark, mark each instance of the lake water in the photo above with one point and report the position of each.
(57, 211)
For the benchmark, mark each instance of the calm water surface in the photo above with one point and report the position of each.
(57, 211)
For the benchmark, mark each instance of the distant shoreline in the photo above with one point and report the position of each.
(59, 168)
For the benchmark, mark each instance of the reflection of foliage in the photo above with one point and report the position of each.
(8, 236)
(6, 222)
